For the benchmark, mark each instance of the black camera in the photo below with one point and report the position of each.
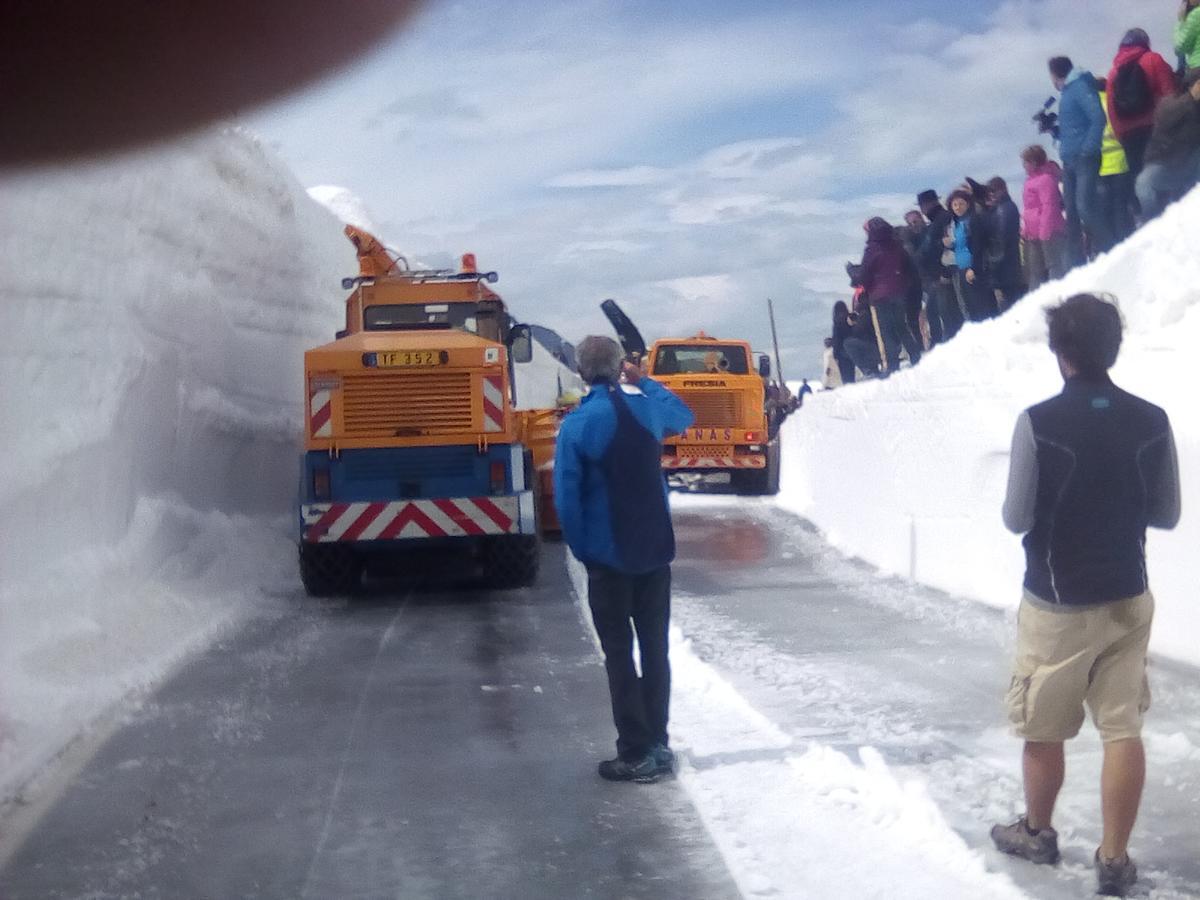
(1047, 121)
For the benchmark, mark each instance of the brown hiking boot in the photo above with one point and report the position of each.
(1018, 840)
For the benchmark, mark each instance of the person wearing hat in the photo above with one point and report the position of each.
(1138, 81)
(941, 308)
(1173, 154)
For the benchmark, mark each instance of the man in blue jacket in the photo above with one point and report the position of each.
(611, 499)
(1081, 124)
(1090, 470)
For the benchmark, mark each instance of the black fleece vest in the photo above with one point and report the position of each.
(1100, 454)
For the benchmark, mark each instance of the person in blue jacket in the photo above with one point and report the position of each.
(1081, 123)
(611, 499)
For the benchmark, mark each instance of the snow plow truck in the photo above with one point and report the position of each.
(734, 440)
(412, 436)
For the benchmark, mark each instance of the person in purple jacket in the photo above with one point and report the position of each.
(888, 273)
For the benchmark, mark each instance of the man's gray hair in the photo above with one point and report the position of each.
(599, 358)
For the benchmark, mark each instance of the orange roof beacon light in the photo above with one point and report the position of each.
(468, 262)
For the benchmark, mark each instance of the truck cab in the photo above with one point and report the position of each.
(731, 441)
(411, 434)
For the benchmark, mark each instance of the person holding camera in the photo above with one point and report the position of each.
(611, 499)
(1081, 128)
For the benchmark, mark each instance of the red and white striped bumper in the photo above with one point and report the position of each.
(411, 519)
(714, 462)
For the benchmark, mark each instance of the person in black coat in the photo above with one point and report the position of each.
(842, 329)
(1004, 245)
(941, 309)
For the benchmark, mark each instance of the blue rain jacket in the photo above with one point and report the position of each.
(608, 469)
(1081, 119)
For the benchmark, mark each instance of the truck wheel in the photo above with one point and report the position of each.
(512, 561)
(774, 464)
(329, 569)
(761, 482)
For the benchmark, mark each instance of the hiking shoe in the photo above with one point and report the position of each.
(1017, 840)
(664, 759)
(1114, 877)
(643, 770)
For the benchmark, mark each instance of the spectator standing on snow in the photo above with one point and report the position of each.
(911, 234)
(1043, 226)
(887, 276)
(1114, 196)
(1081, 129)
(842, 329)
(1187, 34)
(1090, 470)
(966, 237)
(1004, 244)
(612, 501)
(1138, 81)
(941, 309)
(1173, 155)
(862, 346)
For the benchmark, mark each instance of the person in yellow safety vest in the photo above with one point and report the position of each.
(1115, 197)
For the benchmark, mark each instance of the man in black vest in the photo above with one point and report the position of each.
(611, 499)
(1090, 470)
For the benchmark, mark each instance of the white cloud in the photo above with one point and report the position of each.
(633, 176)
(568, 148)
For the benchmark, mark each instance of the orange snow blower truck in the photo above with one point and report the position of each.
(412, 436)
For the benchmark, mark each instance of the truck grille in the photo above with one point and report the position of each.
(383, 404)
(713, 408)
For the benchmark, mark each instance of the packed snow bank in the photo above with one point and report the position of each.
(155, 309)
(910, 473)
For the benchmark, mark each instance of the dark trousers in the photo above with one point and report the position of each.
(1081, 182)
(893, 328)
(942, 312)
(622, 603)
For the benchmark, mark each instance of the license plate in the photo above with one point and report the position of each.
(400, 358)
(705, 450)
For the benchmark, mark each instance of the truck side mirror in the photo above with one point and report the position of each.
(520, 344)
(764, 366)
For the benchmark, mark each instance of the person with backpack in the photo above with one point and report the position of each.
(1081, 128)
(1187, 34)
(1137, 82)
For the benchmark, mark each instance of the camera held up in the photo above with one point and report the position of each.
(1047, 121)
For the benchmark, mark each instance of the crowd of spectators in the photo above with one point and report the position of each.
(1128, 144)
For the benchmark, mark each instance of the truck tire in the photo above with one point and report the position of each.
(512, 560)
(761, 482)
(329, 570)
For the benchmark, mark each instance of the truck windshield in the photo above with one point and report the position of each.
(689, 359)
(416, 316)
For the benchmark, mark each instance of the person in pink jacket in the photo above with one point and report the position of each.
(1043, 225)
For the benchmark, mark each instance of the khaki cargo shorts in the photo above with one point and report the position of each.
(1069, 657)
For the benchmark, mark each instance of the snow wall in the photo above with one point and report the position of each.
(154, 311)
(910, 473)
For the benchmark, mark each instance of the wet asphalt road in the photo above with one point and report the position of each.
(414, 744)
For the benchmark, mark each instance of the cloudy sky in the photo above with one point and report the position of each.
(689, 159)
